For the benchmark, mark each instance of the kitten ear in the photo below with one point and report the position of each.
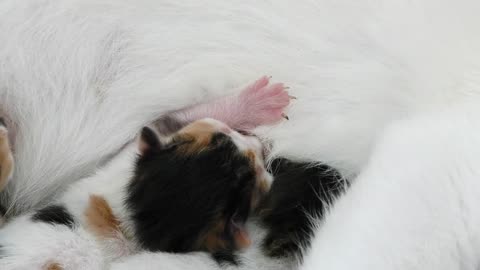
(148, 141)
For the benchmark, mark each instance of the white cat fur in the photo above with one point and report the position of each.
(79, 78)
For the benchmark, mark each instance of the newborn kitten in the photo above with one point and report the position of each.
(189, 191)
(195, 191)
(260, 103)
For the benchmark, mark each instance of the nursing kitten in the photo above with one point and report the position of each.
(192, 190)
(260, 103)
(300, 190)
(195, 191)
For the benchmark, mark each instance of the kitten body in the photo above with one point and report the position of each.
(204, 179)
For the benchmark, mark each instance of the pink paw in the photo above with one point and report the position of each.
(263, 103)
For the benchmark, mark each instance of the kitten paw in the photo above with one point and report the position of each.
(263, 103)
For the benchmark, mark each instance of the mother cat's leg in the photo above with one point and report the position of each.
(415, 206)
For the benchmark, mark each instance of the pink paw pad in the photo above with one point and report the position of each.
(264, 103)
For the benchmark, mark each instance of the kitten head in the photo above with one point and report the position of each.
(195, 190)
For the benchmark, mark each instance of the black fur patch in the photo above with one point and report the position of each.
(226, 258)
(3, 210)
(175, 198)
(2, 122)
(54, 214)
(298, 193)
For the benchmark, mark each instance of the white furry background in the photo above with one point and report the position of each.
(79, 78)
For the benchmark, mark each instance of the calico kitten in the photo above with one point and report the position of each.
(196, 191)
(192, 190)
(260, 103)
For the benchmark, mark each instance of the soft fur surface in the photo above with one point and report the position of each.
(414, 206)
(79, 78)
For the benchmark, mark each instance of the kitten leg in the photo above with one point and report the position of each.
(6, 159)
(260, 103)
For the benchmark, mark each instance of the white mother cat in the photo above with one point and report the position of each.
(79, 78)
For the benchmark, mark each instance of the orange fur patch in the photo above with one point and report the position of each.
(6, 159)
(198, 134)
(242, 240)
(212, 240)
(53, 266)
(261, 185)
(251, 156)
(100, 217)
(261, 188)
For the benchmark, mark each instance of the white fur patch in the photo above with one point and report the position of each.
(79, 79)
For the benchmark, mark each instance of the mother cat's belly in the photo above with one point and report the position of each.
(78, 89)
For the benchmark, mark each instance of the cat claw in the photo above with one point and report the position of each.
(263, 103)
